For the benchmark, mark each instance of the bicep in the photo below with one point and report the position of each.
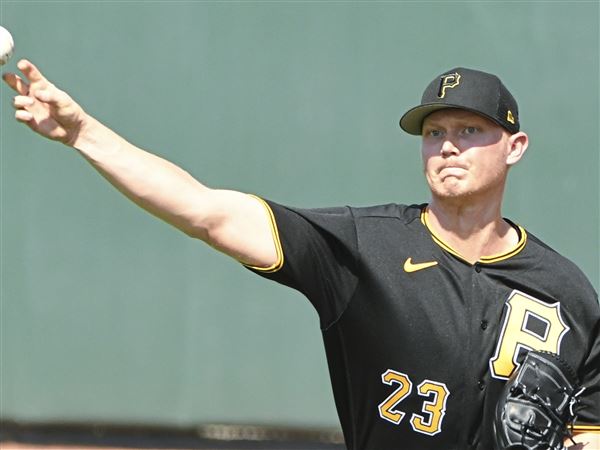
(241, 226)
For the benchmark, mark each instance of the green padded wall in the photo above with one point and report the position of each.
(110, 315)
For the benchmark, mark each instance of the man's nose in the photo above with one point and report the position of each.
(448, 148)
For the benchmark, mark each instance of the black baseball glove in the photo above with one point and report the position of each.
(538, 405)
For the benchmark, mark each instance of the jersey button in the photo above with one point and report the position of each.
(481, 385)
(484, 324)
(477, 267)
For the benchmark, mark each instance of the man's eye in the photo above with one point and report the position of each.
(434, 133)
(470, 130)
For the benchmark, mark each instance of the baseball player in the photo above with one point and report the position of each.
(427, 309)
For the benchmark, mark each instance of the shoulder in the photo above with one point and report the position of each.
(560, 269)
(551, 257)
(393, 211)
(404, 213)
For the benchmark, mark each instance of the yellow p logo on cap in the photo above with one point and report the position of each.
(448, 82)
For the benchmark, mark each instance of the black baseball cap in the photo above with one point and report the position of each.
(472, 90)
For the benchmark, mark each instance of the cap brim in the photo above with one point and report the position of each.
(412, 120)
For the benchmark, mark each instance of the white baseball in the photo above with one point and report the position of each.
(7, 46)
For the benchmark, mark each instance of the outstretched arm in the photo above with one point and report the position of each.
(232, 222)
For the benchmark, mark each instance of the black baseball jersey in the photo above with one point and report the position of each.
(420, 342)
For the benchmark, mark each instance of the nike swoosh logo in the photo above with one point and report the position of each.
(409, 266)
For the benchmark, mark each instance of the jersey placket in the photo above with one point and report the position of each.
(478, 329)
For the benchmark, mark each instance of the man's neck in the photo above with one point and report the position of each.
(473, 229)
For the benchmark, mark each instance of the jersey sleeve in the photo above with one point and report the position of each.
(317, 250)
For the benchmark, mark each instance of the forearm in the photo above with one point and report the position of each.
(156, 185)
(232, 222)
(584, 441)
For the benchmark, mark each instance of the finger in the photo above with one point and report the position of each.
(22, 101)
(53, 96)
(16, 83)
(31, 72)
(23, 116)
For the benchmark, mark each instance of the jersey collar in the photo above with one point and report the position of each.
(484, 259)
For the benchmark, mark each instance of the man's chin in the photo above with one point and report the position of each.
(452, 193)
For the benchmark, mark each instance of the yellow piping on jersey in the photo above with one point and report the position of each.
(275, 233)
(484, 259)
(580, 428)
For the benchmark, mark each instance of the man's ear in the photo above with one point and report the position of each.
(518, 143)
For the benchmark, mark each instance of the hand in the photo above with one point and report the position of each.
(43, 107)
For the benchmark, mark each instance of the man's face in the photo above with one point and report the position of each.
(464, 154)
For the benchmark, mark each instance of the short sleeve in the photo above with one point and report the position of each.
(318, 256)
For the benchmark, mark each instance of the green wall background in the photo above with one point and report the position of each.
(109, 315)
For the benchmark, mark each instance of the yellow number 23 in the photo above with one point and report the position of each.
(434, 407)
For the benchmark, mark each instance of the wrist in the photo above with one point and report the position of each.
(94, 140)
(83, 133)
